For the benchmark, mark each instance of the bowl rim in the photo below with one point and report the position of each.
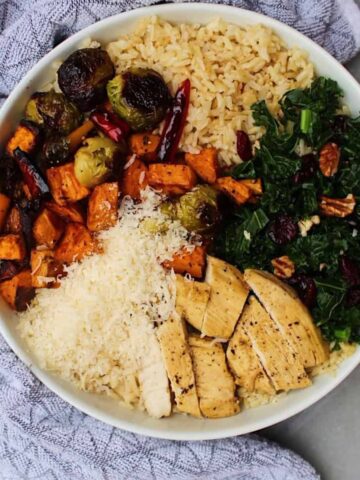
(48, 381)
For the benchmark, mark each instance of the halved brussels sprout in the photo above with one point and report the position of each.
(197, 210)
(54, 111)
(95, 160)
(83, 76)
(140, 96)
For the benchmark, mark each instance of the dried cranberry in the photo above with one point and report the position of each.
(339, 124)
(307, 170)
(243, 145)
(353, 297)
(306, 288)
(283, 230)
(349, 270)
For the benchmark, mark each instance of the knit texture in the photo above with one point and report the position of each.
(43, 437)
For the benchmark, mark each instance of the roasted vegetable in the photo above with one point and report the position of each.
(76, 137)
(9, 269)
(192, 262)
(12, 247)
(45, 270)
(76, 243)
(139, 96)
(103, 207)
(69, 213)
(234, 189)
(83, 76)
(205, 164)
(171, 179)
(48, 228)
(111, 125)
(18, 292)
(25, 137)
(55, 152)
(4, 208)
(94, 161)
(144, 145)
(197, 210)
(53, 111)
(36, 184)
(174, 124)
(135, 178)
(65, 187)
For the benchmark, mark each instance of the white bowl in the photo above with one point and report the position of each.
(177, 427)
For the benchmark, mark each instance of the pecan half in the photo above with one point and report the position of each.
(329, 159)
(283, 267)
(337, 207)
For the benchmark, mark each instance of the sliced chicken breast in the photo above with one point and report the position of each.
(245, 364)
(214, 383)
(178, 363)
(291, 316)
(281, 363)
(191, 300)
(227, 298)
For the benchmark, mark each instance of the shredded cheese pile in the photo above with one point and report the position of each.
(97, 329)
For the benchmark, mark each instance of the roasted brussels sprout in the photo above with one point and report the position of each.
(94, 162)
(54, 111)
(83, 76)
(139, 96)
(197, 210)
(55, 152)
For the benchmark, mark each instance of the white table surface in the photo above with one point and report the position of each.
(328, 433)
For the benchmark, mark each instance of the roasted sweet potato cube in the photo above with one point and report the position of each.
(18, 292)
(64, 186)
(135, 178)
(103, 207)
(69, 213)
(25, 137)
(205, 164)
(172, 179)
(48, 228)
(254, 185)
(4, 208)
(12, 247)
(44, 269)
(75, 244)
(188, 262)
(144, 145)
(13, 221)
(234, 189)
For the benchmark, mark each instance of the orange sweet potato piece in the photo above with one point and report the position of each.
(234, 189)
(171, 179)
(69, 213)
(12, 247)
(76, 137)
(144, 145)
(64, 186)
(135, 179)
(25, 137)
(188, 262)
(254, 185)
(103, 207)
(13, 221)
(205, 164)
(48, 228)
(18, 292)
(4, 208)
(43, 267)
(75, 244)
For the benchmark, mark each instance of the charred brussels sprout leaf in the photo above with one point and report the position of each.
(139, 96)
(55, 152)
(94, 161)
(54, 111)
(83, 77)
(197, 210)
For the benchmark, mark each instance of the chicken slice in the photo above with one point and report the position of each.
(178, 363)
(291, 316)
(191, 300)
(281, 363)
(245, 364)
(152, 375)
(214, 383)
(227, 298)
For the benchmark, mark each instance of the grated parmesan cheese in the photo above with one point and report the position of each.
(97, 329)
